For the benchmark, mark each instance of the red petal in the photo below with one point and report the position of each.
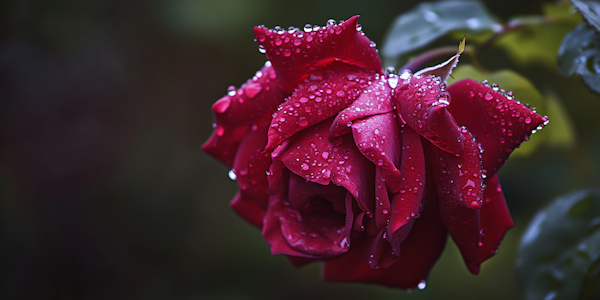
(294, 53)
(254, 103)
(460, 190)
(500, 123)
(248, 209)
(382, 200)
(422, 104)
(312, 156)
(373, 101)
(378, 139)
(308, 221)
(256, 99)
(495, 222)
(420, 251)
(323, 95)
(250, 150)
(407, 203)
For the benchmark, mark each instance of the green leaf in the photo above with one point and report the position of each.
(429, 21)
(560, 247)
(590, 10)
(580, 53)
(559, 133)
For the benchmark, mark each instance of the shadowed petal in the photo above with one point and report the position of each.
(422, 102)
(321, 96)
(420, 250)
(460, 190)
(407, 203)
(294, 53)
(312, 156)
(378, 139)
(495, 222)
(252, 197)
(499, 122)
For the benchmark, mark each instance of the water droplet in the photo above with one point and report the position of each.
(232, 175)
(527, 120)
(251, 90)
(422, 284)
(430, 16)
(358, 27)
(304, 166)
(302, 122)
(261, 49)
(473, 23)
(222, 105)
(308, 28)
(385, 211)
(488, 96)
(330, 22)
(338, 29)
(393, 82)
(297, 42)
(340, 93)
(287, 52)
(231, 90)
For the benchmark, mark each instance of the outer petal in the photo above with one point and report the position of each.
(420, 251)
(312, 156)
(422, 102)
(252, 198)
(495, 222)
(374, 100)
(499, 122)
(323, 95)
(378, 139)
(407, 203)
(460, 190)
(295, 54)
(254, 103)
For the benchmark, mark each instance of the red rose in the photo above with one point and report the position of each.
(337, 161)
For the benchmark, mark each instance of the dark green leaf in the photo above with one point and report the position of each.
(560, 248)
(590, 11)
(580, 53)
(429, 21)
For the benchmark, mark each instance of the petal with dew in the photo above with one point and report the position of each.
(499, 122)
(294, 53)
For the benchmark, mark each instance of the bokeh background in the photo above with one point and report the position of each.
(105, 194)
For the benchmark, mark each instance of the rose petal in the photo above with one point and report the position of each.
(312, 156)
(373, 101)
(382, 200)
(318, 98)
(460, 190)
(495, 222)
(378, 139)
(252, 198)
(499, 122)
(234, 113)
(248, 209)
(422, 104)
(250, 150)
(224, 142)
(420, 250)
(406, 204)
(255, 100)
(294, 54)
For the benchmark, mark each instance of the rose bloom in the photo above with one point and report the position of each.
(339, 162)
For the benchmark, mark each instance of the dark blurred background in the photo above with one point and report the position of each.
(105, 194)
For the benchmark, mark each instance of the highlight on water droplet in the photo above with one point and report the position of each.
(262, 49)
(422, 284)
(232, 174)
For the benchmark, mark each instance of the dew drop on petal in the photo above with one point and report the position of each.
(304, 166)
(421, 284)
(302, 122)
(232, 175)
(527, 120)
(488, 96)
(262, 49)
